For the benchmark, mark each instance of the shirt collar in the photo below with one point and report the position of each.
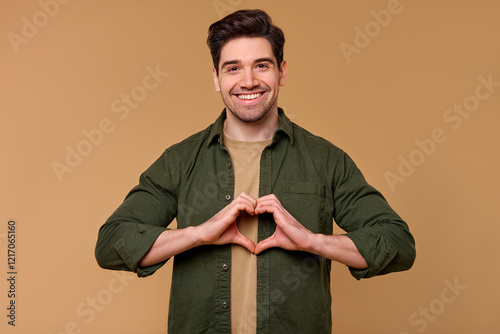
(284, 128)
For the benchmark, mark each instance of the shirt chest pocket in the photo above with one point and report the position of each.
(305, 201)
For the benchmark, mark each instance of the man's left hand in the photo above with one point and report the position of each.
(289, 234)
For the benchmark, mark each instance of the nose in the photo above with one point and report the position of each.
(249, 80)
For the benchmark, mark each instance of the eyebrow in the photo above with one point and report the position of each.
(229, 62)
(265, 59)
(259, 60)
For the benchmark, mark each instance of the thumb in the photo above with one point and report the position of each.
(265, 244)
(240, 239)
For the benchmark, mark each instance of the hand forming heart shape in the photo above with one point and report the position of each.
(222, 229)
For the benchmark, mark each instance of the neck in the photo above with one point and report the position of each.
(251, 131)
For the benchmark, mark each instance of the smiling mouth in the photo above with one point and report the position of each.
(249, 96)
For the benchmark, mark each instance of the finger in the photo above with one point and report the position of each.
(236, 208)
(246, 198)
(265, 244)
(268, 200)
(245, 202)
(240, 239)
(240, 204)
(259, 209)
(269, 207)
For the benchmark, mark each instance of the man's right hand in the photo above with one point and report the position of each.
(222, 229)
(219, 230)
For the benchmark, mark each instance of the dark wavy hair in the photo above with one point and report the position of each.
(244, 23)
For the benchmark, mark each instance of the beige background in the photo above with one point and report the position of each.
(61, 77)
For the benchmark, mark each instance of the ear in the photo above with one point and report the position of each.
(216, 80)
(283, 73)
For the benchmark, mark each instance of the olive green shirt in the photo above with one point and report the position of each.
(313, 179)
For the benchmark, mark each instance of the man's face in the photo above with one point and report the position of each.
(249, 78)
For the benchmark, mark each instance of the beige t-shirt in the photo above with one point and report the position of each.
(246, 163)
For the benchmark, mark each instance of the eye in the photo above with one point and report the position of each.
(262, 66)
(232, 69)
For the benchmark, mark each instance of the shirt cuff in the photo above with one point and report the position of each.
(133, 246)
(377, 251)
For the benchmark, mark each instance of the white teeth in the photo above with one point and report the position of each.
(249, 96)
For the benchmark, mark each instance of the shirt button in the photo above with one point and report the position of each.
(228, 197)
(225, 267)
(225, 305)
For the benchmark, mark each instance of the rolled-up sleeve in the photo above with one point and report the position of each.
(379, 233)
(132, 229)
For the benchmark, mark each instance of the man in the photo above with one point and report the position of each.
(254, 196)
